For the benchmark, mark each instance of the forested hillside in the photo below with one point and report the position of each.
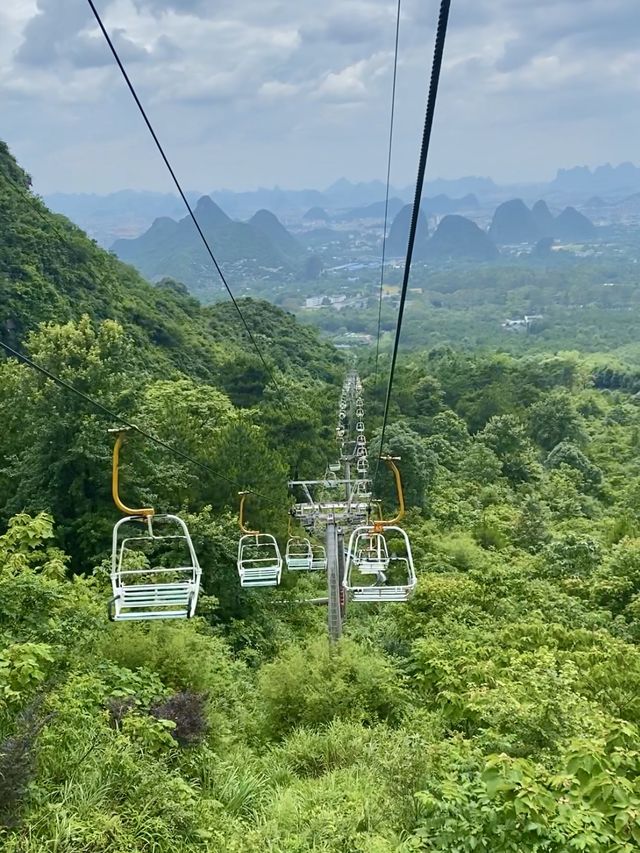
(498, 710)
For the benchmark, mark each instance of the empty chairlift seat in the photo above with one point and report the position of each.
(376, 572)
(298, 555)
(371, 554)
(259, 560)
(318, 558)
(154, 569)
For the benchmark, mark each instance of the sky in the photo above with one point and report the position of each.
(296, 93)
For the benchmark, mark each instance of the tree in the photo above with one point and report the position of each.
(506, 436)
(568, 454)
(417, 465)
(555, 419)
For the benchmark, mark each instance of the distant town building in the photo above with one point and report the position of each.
(521, 325)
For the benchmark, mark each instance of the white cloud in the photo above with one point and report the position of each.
(296, 91)
(278, 89)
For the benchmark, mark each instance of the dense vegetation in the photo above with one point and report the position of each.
(589, 306)
(498, 711)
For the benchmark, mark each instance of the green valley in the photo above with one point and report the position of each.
(496, 711)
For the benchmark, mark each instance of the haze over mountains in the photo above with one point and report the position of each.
(128, 213)
(513, 222)
(262, 248)
(171, 248)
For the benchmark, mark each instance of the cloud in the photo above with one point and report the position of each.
(59, 34)
(258, 91)
(363, 23)
(48, 34)
(278, 89)
(353, 83)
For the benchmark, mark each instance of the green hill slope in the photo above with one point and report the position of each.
(497, 710)
(151, 353)
(175, 249)
(51, 272)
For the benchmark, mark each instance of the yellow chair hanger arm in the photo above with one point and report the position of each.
(391, 462)
(243, 527)
(145, 512)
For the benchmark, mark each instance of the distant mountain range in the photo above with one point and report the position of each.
(455, 237)
(458, 237)
(171, 248)
(128, 213)
(607, 179)
(513, 222)
(262, 245)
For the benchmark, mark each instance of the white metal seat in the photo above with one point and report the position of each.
(361, 490)
(259, 560)
(359, 564)
(298, 554)
(319, 558)
(371, 554)
(144, 591)
(380, 593)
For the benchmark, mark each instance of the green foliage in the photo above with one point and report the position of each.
(316, 684)
(554, 419)
(589, 801)
(496, 711)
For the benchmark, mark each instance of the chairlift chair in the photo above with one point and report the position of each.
(362, 465)
(259, 558)
(298, 555)
(360, 426)
(371, 554)
(153, 591)
(368, 554)
(360, 562)
(319, 558)
(142, 590)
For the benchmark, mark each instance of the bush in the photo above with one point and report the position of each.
(316, 684)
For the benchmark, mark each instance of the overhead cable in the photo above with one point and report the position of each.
(386, 197)
(187, 204)
(119, 420)
(441, 33)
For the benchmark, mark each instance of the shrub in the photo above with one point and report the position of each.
(188, 711)
(316, 684)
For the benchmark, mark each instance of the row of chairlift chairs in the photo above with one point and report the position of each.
(376, 556)
(260, 560)
(144, 592)
(352, 390)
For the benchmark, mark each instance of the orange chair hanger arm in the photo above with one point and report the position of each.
(145, 512)
(391, 462)
(241, 521)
